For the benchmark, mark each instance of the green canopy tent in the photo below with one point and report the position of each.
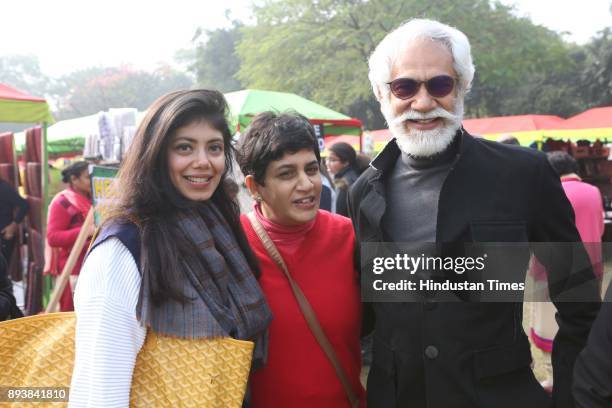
(245, 104)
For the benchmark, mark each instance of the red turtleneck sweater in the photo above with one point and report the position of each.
(320, 259)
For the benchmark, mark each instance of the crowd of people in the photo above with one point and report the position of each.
(174, 255)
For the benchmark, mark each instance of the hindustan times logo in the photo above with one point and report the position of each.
(412, 264)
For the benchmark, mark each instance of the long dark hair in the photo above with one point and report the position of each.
(147, 197)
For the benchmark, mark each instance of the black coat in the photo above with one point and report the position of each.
(593, 370)
(446, 355)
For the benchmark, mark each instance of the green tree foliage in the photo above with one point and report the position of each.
(319, 50)
(91, 90)
(214, 61)
(23, 73)
(597, 75)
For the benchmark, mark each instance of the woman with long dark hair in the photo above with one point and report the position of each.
(67, 213)
(171, 256)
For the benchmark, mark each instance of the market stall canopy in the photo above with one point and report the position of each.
(590, 125)
(526, 128)
(19, 107)
(65, 136)
(245, 104)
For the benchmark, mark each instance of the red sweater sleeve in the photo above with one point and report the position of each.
(59, 233)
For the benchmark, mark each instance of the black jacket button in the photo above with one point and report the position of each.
(431, 352)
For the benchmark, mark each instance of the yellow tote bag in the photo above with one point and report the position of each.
(38, 351)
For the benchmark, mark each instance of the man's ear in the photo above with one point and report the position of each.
(378, 93)
(251, 185)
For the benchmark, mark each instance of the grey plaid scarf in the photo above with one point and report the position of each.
(226, 298)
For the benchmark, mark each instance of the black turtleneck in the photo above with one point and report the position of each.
(412, 193)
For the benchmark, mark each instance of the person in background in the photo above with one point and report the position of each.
(171, 256)
(279, 156)
(67, 213)
(8, 304)
(341, 164)
(587, 203)
(328, 192)
(13, 208)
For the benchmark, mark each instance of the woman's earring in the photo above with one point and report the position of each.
(258, 198)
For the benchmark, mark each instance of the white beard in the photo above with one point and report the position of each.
(424, 143)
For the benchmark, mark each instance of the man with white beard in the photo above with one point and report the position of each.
(436, 183)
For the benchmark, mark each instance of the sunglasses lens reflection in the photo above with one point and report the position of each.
(404, 88)
(438, 87)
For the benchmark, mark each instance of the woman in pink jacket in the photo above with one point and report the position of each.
(588, 208)
(67, 213)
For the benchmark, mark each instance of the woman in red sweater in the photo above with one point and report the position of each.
(279, 156)
(67, 213)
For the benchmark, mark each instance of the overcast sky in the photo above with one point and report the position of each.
(70, 34)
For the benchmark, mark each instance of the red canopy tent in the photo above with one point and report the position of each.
(590, 119)
(6, 92)
(590, 125)
(511, 124)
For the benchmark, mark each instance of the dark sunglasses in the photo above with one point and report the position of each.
(438, 86)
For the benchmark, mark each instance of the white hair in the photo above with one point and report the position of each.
(384, 56)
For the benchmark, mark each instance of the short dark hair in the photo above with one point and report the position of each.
(269, 136)
(345, 152)
(75, 169)
(562, 163)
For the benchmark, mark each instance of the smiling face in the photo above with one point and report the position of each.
(423, 124)
(196, 160)
(291, 190)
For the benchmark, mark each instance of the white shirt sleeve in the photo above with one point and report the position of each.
(108, 335)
